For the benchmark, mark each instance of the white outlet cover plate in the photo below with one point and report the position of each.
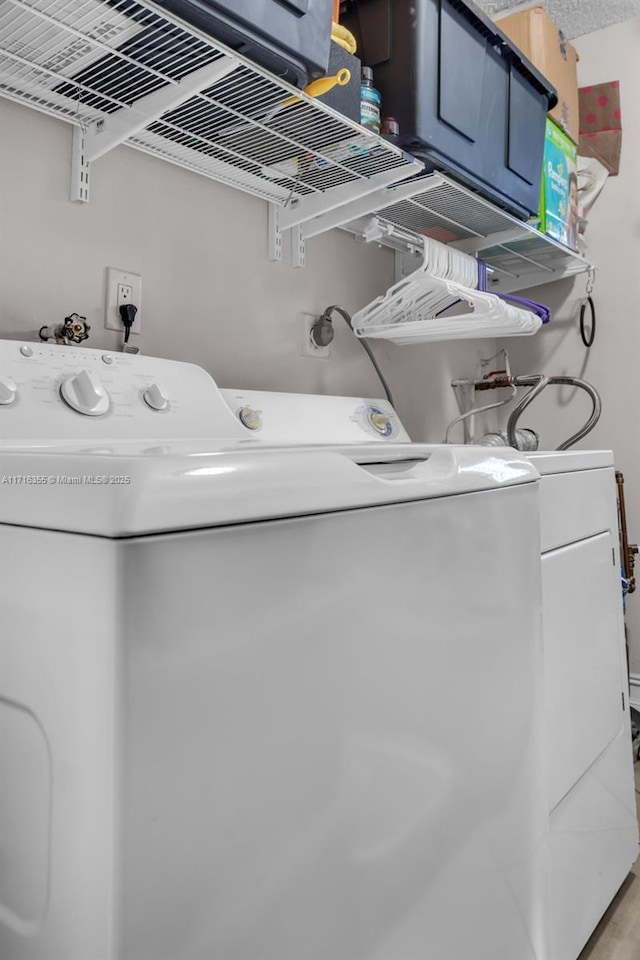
(112, 318)
(309, 349)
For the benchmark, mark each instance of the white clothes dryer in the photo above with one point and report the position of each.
(593, 827)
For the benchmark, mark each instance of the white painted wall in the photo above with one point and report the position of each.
(613, 363)
(209, 294)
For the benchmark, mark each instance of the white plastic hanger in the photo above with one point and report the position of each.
(411, 310)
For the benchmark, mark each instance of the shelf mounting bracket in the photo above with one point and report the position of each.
(298, 247)
(274, 233)
(368, 203)
(338, 202)
(79, 167)
(103, 135)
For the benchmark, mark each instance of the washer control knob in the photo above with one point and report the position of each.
(155, 397)
(26, 351)
(8, 392)
(380, 422)
(84, 393)
(250, 418)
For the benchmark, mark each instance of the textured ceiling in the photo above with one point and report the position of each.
(574, 17)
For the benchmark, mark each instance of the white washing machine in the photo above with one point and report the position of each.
(593, 833)
(593, 828)
(233, 721)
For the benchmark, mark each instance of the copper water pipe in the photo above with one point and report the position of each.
(628, 550)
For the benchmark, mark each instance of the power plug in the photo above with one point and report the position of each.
(311, 335)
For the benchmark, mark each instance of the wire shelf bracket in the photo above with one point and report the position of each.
(104, 135)
(79, 167)
(298, 247)
(369, 201)
(275, 239)
(315, 215)
(101, 136)
(321, 213)
(274, 234)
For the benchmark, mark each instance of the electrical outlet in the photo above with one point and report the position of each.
(309, 348)
(122, 287)
(125, 294)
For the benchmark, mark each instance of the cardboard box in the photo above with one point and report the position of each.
(601, 124)
(559, 190)
(544, 44)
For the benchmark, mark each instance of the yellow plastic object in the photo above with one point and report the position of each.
(319, 87)
(344, 37)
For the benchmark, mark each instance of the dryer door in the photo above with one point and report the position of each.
(583, 669)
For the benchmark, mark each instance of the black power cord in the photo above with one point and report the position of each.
(322, 335)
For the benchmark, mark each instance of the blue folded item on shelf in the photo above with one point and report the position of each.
(539, 309)
(482, 275)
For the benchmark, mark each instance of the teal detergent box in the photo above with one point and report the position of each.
(559, 190)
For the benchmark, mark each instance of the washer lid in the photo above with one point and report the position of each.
(122, 489)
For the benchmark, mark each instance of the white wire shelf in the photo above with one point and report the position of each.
(532, 260)
(128, 72)
(436, 206)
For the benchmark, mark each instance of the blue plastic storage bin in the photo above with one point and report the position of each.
(467, 101)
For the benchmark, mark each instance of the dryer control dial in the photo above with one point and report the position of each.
(84, 393)
(380, 421)
(250, 418)
(156, 398)
(8, 391)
